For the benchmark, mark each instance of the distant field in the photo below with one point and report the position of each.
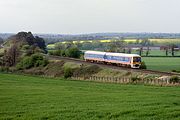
(25, 97)
(165, 41)
(154, 41)
(51, 46)
(162, 63)
(157, 53)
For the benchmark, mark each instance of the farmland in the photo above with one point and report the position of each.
(27, 97)
(153, 41)
(162, 63)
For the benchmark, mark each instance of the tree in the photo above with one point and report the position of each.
(172, 49)
(40, 43)
(27, 38)
(73, 52)
(129, 50)
(59, 46)
(11, 56)
(145, 42)
(1, 40)
(116, 46)
(166, 51)
(137, 41)
(147, 52)
(140, 51)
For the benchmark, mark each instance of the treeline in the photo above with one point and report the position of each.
(53, 38)
(143, 47)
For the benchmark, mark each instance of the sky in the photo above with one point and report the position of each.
(89, 16)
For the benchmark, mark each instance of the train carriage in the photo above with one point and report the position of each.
(120, 59)
(94, 56)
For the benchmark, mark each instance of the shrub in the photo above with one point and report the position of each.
(143, 65)
(4, 69)
(174, 79)
(73, 52)
(57, 52)
(34, 60)
(68, 72)
(134, 79)
(51, 52)
(25, 63)
(176, 71)
(63, 53)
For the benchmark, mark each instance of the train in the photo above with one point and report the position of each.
(119, 59)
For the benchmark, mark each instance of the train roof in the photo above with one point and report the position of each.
(95, 52)
(112, 54)
(123, 54)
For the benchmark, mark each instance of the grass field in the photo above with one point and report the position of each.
(156, 53)
(25, 97)
(162, 63)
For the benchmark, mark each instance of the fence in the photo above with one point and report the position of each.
(126, 80)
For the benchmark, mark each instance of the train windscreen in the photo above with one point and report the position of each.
(136, 59)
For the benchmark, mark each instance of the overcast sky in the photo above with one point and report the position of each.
(89, 16)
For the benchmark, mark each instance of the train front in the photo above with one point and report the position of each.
(136, 62)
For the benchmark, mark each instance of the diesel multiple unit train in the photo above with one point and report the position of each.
(120, 59)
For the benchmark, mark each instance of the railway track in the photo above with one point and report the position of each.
(113, 67)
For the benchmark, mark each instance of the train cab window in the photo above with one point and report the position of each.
(136, 59)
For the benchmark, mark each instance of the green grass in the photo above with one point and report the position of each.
(156, 53)
(162, 63)
(25, 97)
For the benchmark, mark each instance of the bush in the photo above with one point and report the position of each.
(73, 52)
(51, 52)
(134, 79)
(34, 60)
(174, 71)
(174, 79)
(57, 52)
(68, 72)
(143, 65)
(4, 69)
(25, 63)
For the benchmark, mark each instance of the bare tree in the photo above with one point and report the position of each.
(147, 52)
(140, 51)
(11, 56)
(129, 50)
(166, 51)
(172, 49)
